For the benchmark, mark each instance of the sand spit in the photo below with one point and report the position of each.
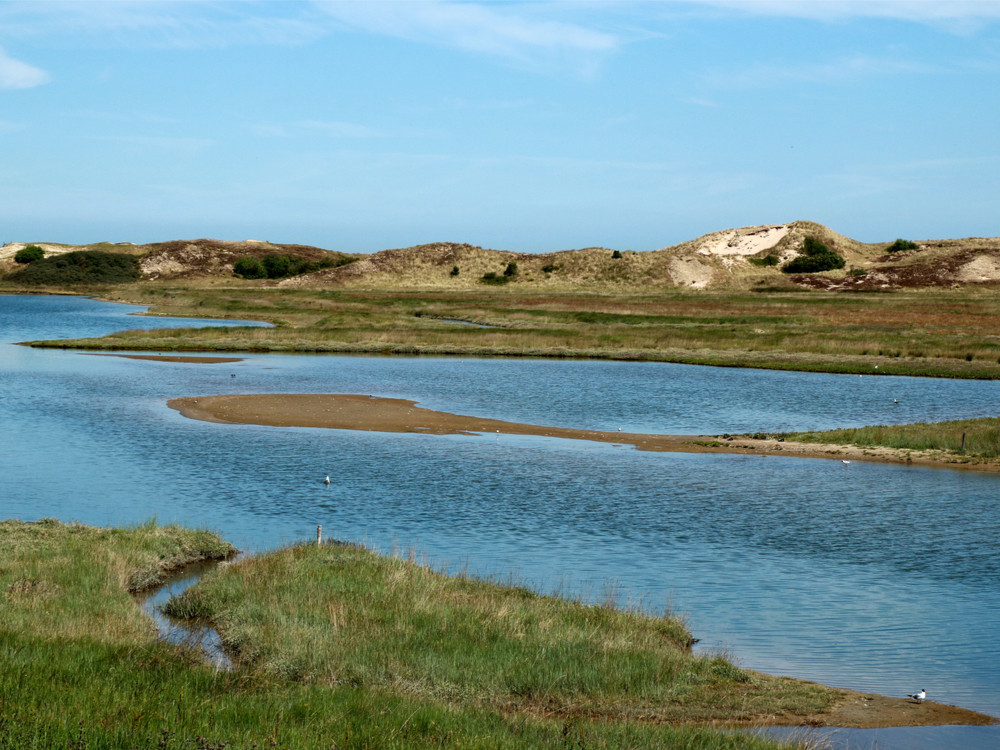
(371, 413)
(171, 358)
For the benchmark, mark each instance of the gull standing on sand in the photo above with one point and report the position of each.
(918, 697)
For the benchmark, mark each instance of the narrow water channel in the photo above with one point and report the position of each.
(194, 634)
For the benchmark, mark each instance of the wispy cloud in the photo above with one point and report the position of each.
(842, 71)
(341, 129)
(163, 24)
(15, 74)
(519, 32)
(908, 10)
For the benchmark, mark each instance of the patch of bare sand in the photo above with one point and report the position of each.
(172, 358)
(359, 412)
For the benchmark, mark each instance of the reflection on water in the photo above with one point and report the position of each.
(874, 577)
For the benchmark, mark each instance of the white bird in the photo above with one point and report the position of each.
(919, 697)
(846, 463)
(327, 480)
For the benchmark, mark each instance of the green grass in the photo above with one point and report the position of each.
(342, 615)
(974, 438)
(939, 333)
(81, 667)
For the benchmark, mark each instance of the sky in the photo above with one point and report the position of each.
(531, 126)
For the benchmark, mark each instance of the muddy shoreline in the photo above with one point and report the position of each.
(372, 413)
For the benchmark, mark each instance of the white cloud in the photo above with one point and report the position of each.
(15, 74)
(518, 31)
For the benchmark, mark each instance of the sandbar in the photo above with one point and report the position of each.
(378, 414)
(172, 358)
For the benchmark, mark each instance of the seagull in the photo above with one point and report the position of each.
(918, 697)
(895, 401)
(845, 463)
(327, 480)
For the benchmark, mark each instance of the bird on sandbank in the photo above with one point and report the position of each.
(918, 697)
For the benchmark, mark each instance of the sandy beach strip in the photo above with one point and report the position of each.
(372, 413)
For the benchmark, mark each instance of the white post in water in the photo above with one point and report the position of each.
(319, 535)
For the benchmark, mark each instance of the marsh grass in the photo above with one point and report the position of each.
(342, 615)
(81, 667)
(976, 438)
(941, 333)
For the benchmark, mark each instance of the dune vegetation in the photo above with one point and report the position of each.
(729, 298)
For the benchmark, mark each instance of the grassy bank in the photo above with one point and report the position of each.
(346, 616)
(80, 665)
(934, 332)
(971, 438)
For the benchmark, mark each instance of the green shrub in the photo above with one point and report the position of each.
(616, 254)
(816, 257)
(511, 269)
(249, 268)
(901, 245)
(767, 260)
(281, 266)
(492, 277)
(29, 254)
(81, 267)
(454, 271)
(277, 266)
(549, 268)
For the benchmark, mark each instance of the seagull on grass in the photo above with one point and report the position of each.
(918, 697)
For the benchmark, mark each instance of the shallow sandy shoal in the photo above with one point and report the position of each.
(371, 413)
(172, 358)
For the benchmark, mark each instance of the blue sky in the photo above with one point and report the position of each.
(529, 126)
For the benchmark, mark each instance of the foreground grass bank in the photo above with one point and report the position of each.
(81, 667)
(933, 332)
(346, 616)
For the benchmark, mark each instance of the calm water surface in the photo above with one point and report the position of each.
(873, 577)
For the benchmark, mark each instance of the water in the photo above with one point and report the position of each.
(874, 577)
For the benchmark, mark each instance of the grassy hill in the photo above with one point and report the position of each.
(749, 258)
